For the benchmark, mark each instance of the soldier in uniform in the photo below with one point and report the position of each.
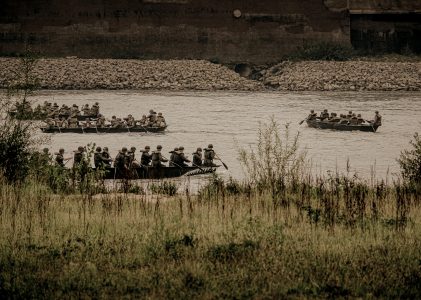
(95, 109)
(349, 115)
(78, 157)
(377, 119)
(60, 158)
(161, 120)
(157, 158)
(324, 114)
(130, 121)
(143, 121)
(152, 118)
(182, 159)
(209, 156)
(197, 157)
(132, 158)
(100, 122)
(121, 163)
(312, 115)
(106, 157)
(173, 157)
(146, 157)
(86, 110)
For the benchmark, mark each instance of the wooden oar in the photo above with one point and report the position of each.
(303, 121)
(225, 166)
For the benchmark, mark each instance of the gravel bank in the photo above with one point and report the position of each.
(73, 73)
(344, 76)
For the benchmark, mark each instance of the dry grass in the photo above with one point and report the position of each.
(222, 244)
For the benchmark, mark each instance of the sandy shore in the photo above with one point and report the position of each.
(74, 73)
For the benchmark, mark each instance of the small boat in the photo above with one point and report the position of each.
(317, 123)
(157, 173)
(146, 129)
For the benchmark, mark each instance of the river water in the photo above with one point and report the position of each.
(229, 119)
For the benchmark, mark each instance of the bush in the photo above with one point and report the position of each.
(322, 51)
(410, 162)
(15, 154)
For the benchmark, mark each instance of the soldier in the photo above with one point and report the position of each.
(152, 117)
(377, 119)
(60, 158)
(50, 122)
(349, 115)
(312, 115)
(197, 157)
(121, 163)
(182, 159)
(146, 157)
(73, 123)
(209, 156)
(324, 114)
(143, 121)
(130, 121)
(360, 119)
(94, 109)
(98, 159)
(100, 122)
(114, 122)
(132, 158)
(74, 111)
(78, 157)
(86, 110)
(161, 120)
(106, 156)
(157, 158)
(173, 157)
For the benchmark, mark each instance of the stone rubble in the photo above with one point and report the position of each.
(112, 74)
(75, 73)
(344, 76)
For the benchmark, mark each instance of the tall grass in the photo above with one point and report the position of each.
(280, 233)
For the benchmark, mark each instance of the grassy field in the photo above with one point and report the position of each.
(229, 241)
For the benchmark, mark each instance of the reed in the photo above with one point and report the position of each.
(264, 237)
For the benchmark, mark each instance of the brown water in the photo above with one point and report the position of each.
(229, 118)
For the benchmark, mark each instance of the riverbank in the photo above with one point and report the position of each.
(357, 75)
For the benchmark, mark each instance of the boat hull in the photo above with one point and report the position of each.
(156, 173)
(102, 129)
(342, 127)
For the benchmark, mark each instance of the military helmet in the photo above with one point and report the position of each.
(133, 149)
(61, 150)
(124, 149)
(105, 149)
(312, 111)
(210, 146)
(160, 114)
(96, 103)
(176, 149)
(376, 112)
(98, 149)
(147, 147)
(80, 148)
(199, 149)
(325, 110)
(151, 111)
(181, 148)
(159, 147)
(45, 150)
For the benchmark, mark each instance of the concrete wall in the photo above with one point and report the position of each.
(262, 31)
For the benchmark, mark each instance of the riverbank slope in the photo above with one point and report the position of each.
(356, 75)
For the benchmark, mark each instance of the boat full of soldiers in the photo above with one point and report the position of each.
(151, 165)
(343, 122)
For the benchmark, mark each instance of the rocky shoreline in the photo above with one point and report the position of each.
(74, 73)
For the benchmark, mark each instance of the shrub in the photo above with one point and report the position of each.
(410, 162)
(15, 154)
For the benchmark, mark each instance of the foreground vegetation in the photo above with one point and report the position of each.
(280, 233)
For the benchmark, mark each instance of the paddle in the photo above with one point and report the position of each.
(194, 165)
(225, 166)
(177, 165)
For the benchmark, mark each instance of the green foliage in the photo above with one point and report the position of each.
(322, 51)
(410, 162)
(15, 153)
(164, 188)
